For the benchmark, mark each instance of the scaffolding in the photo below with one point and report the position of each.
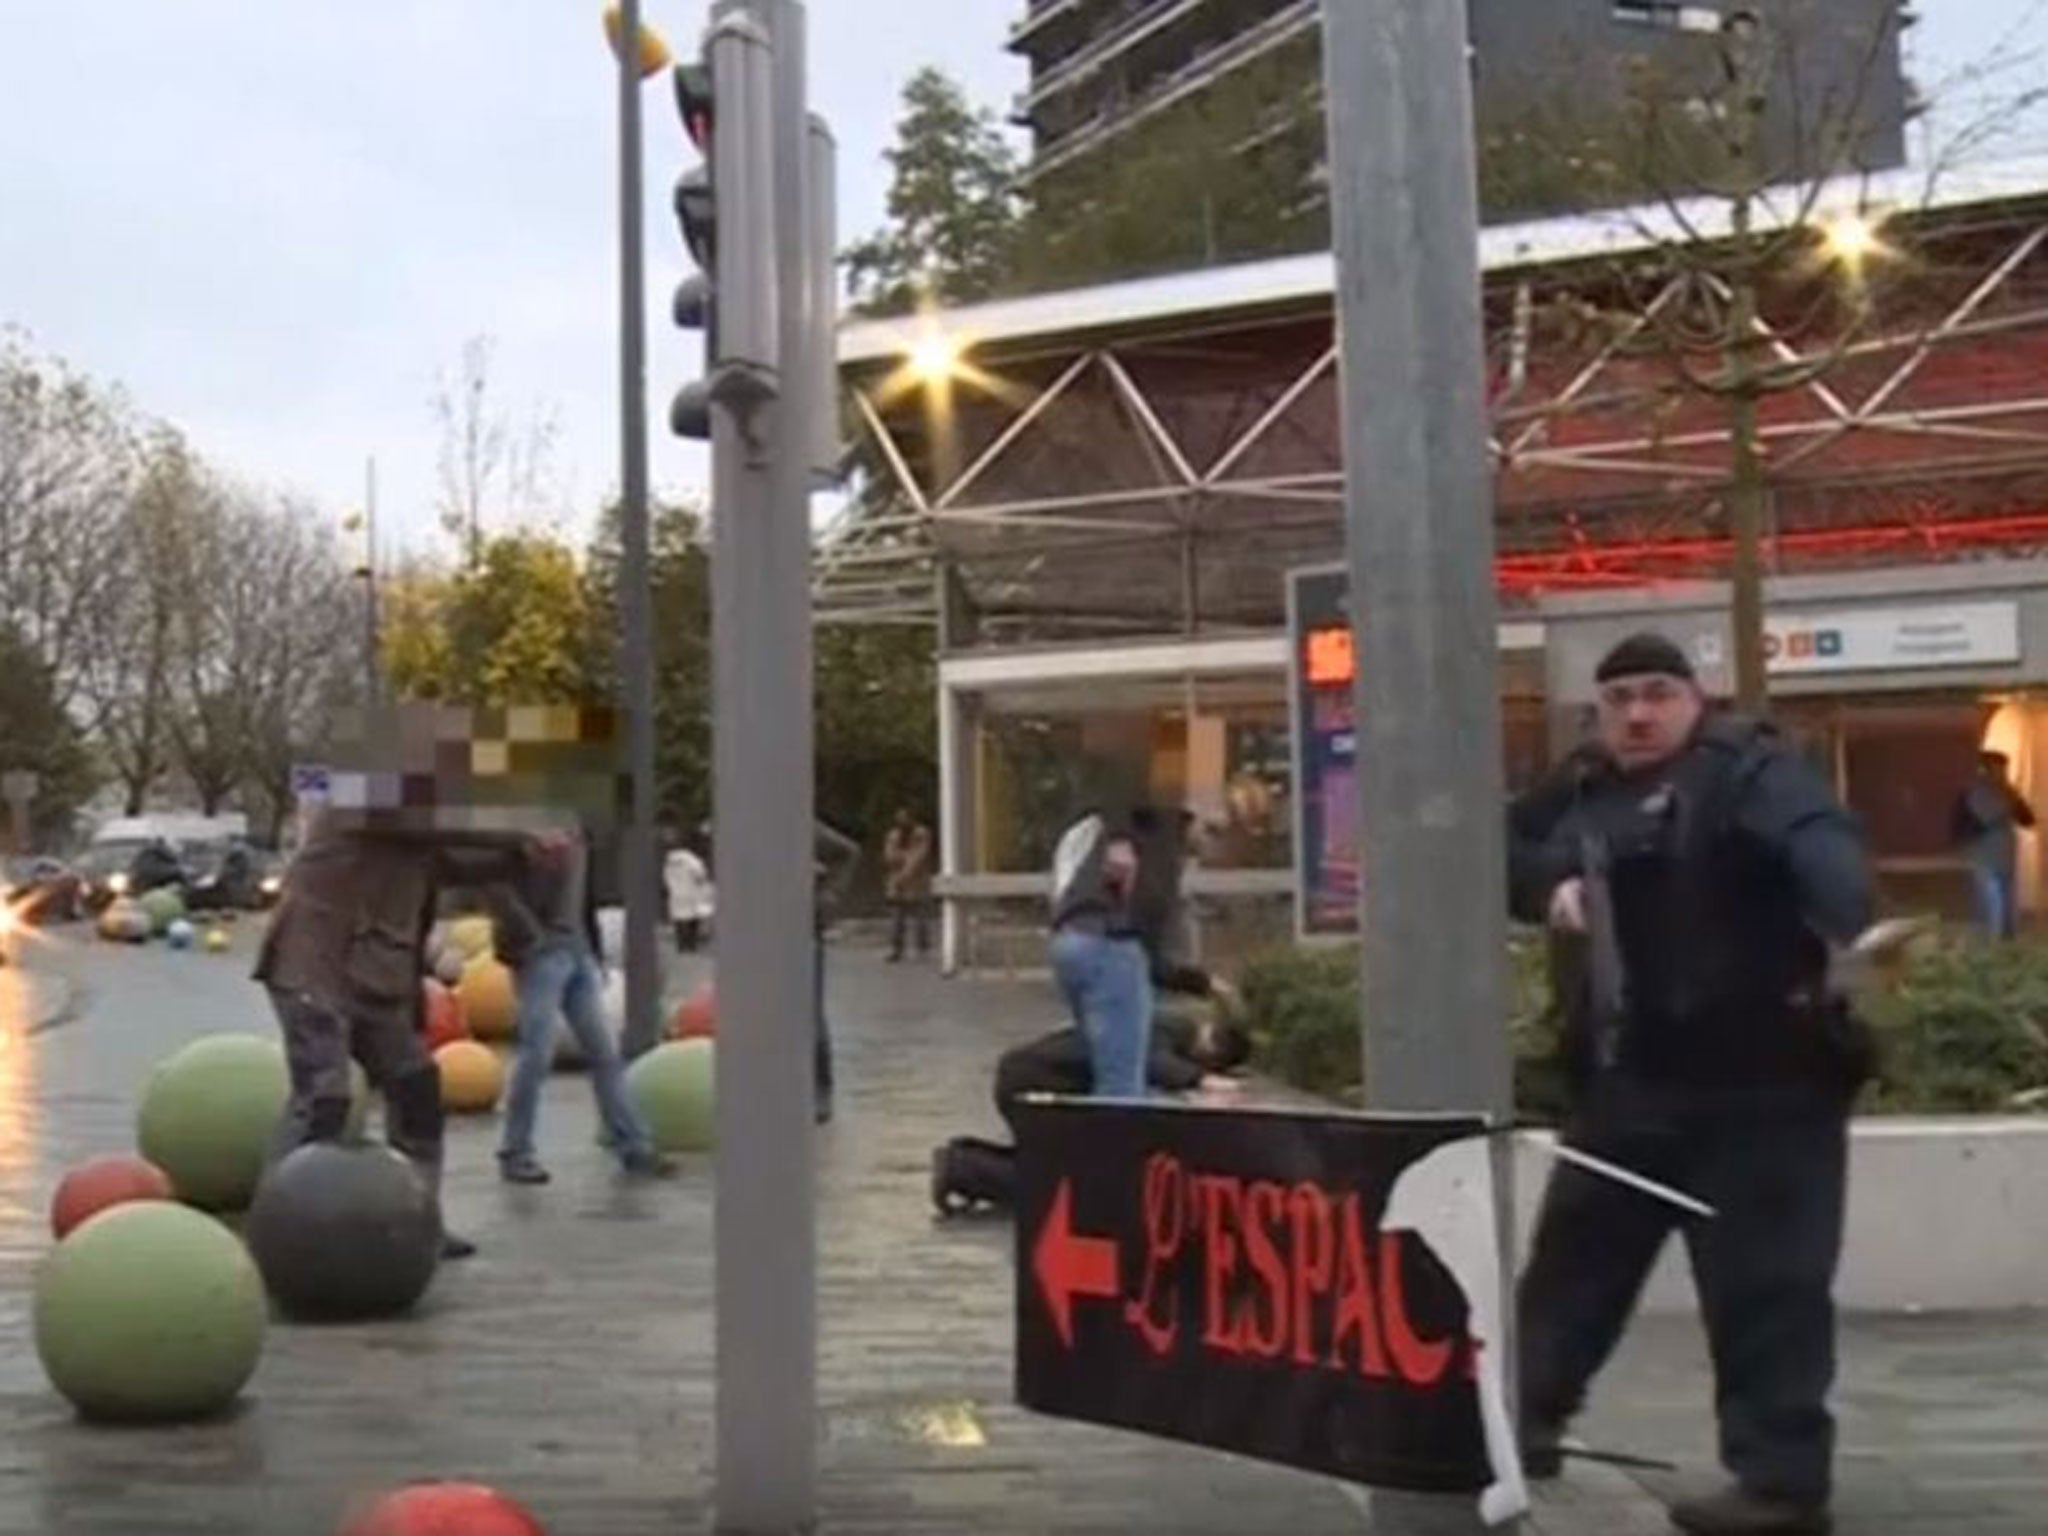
(1149, 458)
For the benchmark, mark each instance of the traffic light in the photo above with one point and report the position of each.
(726, 210)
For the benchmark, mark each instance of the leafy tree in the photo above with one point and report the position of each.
(36, 734)
(515, 630)
(952, 207)
(876, 723)
(682, 654)
(413, 644)
(67, 469)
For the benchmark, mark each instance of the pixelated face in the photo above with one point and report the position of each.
(1647, 720)
(452, 766)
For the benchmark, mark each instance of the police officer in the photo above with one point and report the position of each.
(1708, 875)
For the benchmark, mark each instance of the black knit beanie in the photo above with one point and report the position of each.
(1644, 655)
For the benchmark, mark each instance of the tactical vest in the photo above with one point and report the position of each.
(1722, 969)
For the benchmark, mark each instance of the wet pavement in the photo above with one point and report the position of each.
(570, 1364)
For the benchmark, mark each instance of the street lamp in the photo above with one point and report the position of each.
(935, 357)
(652, 54)
(647, 55)
(1851, 238)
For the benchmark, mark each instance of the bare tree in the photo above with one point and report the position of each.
(301, 668)
(1750, 275)
(67, 469)
(491, 470)
(136, 632)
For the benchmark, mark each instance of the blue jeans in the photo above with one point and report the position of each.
(564, 976)
(1996, 908)
(1108, 987)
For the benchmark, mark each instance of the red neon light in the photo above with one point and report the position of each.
(1588, 564)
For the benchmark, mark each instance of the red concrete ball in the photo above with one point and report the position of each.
(93, 1187)
(697, 1017)
(444, 1509)
(445, 1022)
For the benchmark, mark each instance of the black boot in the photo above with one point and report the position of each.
(1736, 1511)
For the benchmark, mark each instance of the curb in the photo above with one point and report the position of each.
(42, 1000)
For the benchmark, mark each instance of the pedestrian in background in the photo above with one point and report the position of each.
(689, 896)
(907, 882)
(1987, 821)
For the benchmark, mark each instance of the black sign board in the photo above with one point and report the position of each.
(1222, 1277)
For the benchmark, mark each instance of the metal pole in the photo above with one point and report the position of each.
(372, 670)
(761, 650)
(643, 960)
(1419, 529)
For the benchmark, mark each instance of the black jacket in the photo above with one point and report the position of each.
(536, 887)
(1732, 869)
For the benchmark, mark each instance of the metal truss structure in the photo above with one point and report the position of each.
(1148, 473)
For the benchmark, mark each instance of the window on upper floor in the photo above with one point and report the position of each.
(1669, 13)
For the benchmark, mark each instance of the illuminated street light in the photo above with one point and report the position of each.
(1851, 238)
(936, 357)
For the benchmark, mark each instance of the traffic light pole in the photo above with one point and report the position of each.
(636, 578)
(1418, 514)
(766, 1467)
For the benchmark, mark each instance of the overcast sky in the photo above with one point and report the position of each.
(275, 221)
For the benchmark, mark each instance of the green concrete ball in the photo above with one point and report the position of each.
(149, 1312)
(164, 906)
(675, 1088)
(209, 1114)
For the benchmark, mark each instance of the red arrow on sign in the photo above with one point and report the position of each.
(1068, 1266)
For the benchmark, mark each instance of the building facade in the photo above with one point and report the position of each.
(1099, 504)
(1103, 71)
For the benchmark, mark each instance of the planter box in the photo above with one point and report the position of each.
(1945, 1215)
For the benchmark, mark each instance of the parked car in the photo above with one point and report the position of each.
(231, 875)
(42, 890)
(104, 869)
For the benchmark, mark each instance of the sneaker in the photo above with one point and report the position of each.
(649, 1165)
(1738, 1512)
(453, 1247)
(521, 1170)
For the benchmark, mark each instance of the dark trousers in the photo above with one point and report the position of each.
(319, 1040)
(1059, 1063)
(912, 915)
(1764, 1267)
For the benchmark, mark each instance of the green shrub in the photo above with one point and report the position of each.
(1302, 1005)
(1963, 1026)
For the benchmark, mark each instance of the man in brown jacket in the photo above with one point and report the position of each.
(907, 882)
(342, 962)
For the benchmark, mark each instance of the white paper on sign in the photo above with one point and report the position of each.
(1447, 1200)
